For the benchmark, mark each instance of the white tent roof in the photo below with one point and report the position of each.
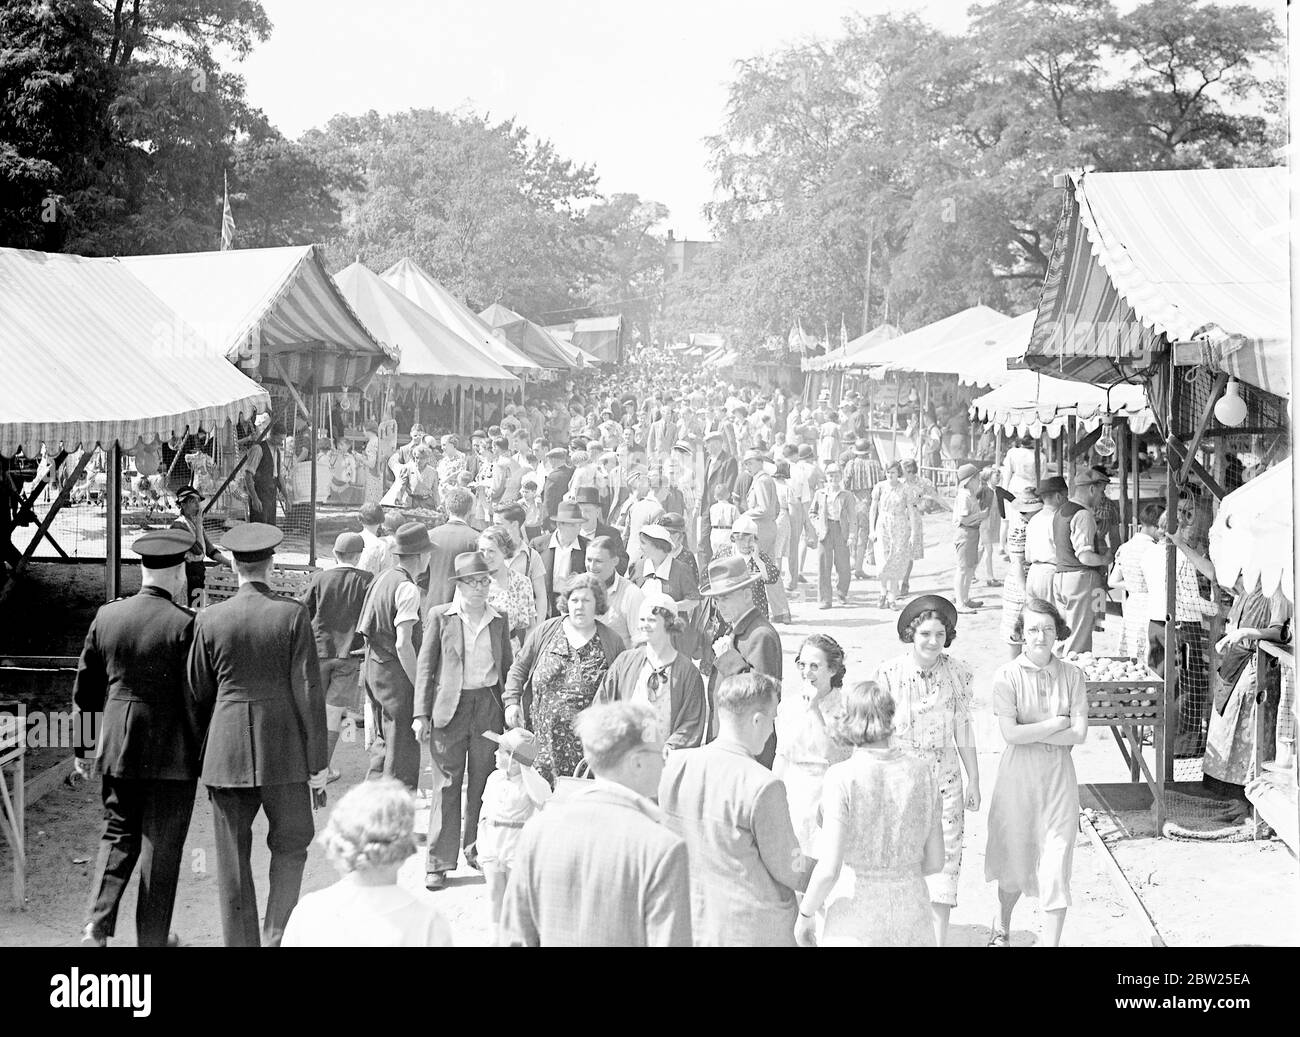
(1031, 403)
(1252, 535)
(840, 359)
(978, 358)
(424, 290)
(89, 354)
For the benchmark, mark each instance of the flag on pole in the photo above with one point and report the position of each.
(227, 220)
(844, 333)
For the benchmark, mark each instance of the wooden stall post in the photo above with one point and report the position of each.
(113, 534)
(311, 457)
(1119, 430)
(1170, 672)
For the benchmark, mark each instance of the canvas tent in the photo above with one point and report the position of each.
(1035, 404)
(887, 349)
(426, 292)
(1195, 256)
(838, 359)
(275, 311)
(977, 358)
(91, 355)
(598, 337)
(527, 337)
(433, 357)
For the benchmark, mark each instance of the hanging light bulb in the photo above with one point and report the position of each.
(1105, 446)
(1231, 408)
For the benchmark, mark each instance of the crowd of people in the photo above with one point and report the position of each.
(585, 642)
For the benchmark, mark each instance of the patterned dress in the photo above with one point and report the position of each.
(921, 490)
(515, 601)
(894, 521)
(564, 682)
(885, 801)
(931, 721)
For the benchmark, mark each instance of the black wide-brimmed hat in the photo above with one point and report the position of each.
(411, 538)
(471, 564)
(927, 603)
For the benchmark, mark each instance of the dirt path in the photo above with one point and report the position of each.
(1213, 894)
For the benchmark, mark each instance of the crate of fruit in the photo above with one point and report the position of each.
(1120, 691)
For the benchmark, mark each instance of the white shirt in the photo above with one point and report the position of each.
(348, 914)
(377, 555)
(1189, 605)
(1039, 545)
(562, 561)
(625, 599)
(479, 667)
(661, 574)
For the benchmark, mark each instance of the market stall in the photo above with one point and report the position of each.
(527, 337)
(1177, 281)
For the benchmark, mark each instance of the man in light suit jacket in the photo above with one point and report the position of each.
(454, 537)
(833, 516)
(746, 865)
(564, 553)
(609, 829)
(463, 664)
(255, 678)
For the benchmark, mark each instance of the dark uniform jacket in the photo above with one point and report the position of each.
(333, 599)
(253, 671)
(132, 669)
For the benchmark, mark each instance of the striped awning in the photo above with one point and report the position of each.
(433, 356)
(1191, 255)
(275, 311)
(88, 354)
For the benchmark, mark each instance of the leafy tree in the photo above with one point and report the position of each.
(624, 257)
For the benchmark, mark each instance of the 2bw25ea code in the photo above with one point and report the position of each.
(1209, 979)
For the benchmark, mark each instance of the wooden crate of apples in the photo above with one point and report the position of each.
(1120, 691)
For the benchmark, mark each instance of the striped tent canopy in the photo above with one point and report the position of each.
(1034, 404)
(978, 358)
(409, 278)
(529, 338)
(89, 355)
(275, 311)
(1190, 255)
(433, 356)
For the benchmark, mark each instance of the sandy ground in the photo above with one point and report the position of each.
(1199, 894)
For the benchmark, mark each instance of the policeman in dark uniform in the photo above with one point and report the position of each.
(140, 732)
(256, 684)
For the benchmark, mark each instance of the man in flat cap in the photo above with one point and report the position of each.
(256, 683)
(1078, 587)
(391, 624)
(334, 598)
(1040, 539)
(138, 729)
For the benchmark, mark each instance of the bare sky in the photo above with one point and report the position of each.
(631, 87)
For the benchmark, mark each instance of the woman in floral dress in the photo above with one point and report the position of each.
(891, 532)
(923, 494)
(932, 722)
(556, 675)
(511, 592)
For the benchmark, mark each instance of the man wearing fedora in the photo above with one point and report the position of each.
(751, 643)
(463, 663)
(334, 598)
(256, 684)
(1040, 540)
(446, 543)
(588, 500)
(719, 471)
(190, 501)
(1078, 587)
(833, 518)
(967, 519)
(138, 728)
(390, 624)
(563, 553)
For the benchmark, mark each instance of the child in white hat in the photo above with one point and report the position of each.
(514, 793)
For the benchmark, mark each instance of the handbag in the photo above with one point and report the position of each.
(567, 786)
